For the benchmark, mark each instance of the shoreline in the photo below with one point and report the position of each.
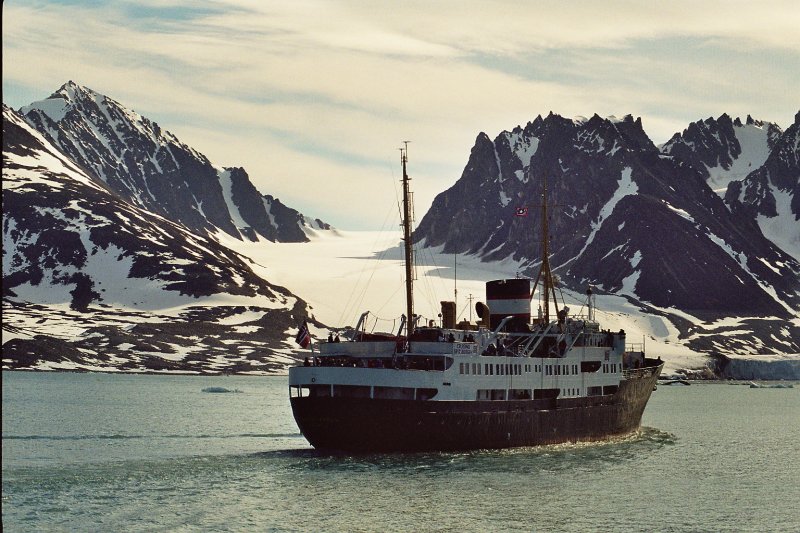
(663, 381)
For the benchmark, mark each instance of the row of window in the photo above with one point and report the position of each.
(561, 370)
(497, 369)
(524, 394)
(514, 369)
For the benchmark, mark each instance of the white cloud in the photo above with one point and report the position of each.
(312, 98)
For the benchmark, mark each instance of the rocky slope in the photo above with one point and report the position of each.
(631, 220)
(113, 286)
(149, 167)
(754, 166)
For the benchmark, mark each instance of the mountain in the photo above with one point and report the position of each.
(724, 149)
(770, 195)
(109, 285)
(754, 166)
(629, 219)
(150, 168)
(113, 230)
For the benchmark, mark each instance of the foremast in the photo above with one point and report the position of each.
(409, 252)
(545, 275)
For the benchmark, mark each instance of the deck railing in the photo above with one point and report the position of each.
(638, 373)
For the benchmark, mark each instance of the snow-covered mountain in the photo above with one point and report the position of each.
(771, 194)
(118, 239)
(724, 149)
(110, 285)
(631, 220)
(150, 168)
(754, 166)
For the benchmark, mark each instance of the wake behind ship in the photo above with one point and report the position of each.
(510, 380)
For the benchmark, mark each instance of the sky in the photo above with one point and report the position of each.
(314, 98)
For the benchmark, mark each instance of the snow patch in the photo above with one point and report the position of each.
(626, 186)
(226, 183)
(55, 108)
(754, 142)
(679, 212)
(783, 229)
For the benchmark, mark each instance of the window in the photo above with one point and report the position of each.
(460, 368)
(590, 366)
(491, 394)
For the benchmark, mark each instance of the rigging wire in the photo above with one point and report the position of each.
(360, 288)
(357, 295)
(430, 291)
(360, 294)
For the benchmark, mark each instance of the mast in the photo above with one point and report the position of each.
(409, 253)
(545, 274)
(455, 283)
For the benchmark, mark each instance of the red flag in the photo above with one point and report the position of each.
(521, 212)
(303, 336)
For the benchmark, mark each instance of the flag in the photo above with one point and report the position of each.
(303, 336)
(521, 212)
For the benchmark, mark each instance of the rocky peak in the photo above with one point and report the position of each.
(151, 168)
(626, 214)
(724, 149)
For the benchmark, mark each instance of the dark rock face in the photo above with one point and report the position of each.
(58, 223)
(624, 216)
(756, 194)
(70, 239)
(718, 142)
(754, 166)
(150, 168)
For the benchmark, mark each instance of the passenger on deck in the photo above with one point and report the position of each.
(451, 337)
(306, 362)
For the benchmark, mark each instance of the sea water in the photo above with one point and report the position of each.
(104, 452)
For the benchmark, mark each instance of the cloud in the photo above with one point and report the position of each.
(313, 98)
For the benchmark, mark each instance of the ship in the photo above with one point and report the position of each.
(510, 380)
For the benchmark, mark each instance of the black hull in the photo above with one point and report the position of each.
(370, 425)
